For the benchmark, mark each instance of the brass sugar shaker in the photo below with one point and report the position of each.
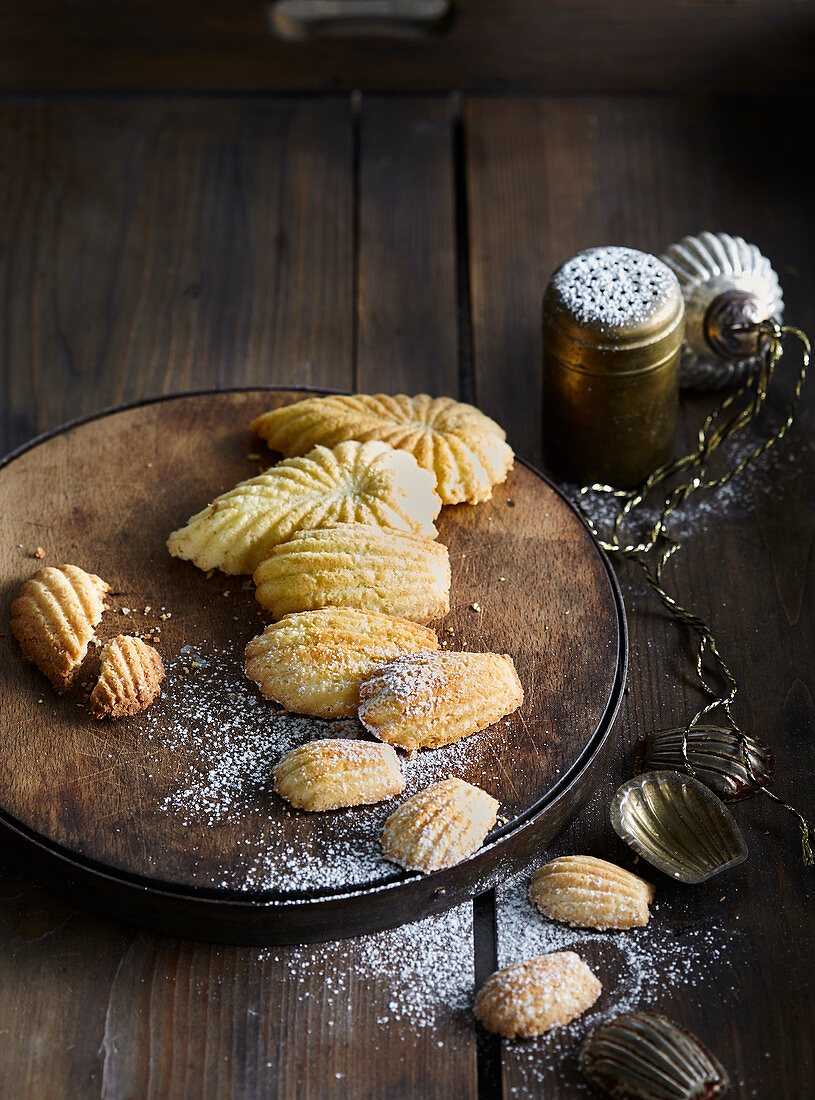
(612, 333)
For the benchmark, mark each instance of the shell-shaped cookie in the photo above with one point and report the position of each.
(429, 699)
(328, 774)
(590, 893)
(314, 662)
(733, 764)
(54, 617)
(129, 678)
(439, 827)
(530, 997)
(644, 1056)
(678, 825)
(465, 450)
(353, 483)
(356, 565)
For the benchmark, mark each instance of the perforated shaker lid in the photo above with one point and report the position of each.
(613, 309)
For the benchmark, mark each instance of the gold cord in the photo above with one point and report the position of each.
(729, 417)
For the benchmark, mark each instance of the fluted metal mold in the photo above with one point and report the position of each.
(707, 266)
(644, 1056)
(678, 825)
(717, 756)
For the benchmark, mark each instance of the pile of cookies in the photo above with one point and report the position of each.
(55, 617)
(341, 542)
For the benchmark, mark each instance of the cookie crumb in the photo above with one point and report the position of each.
(39, 552)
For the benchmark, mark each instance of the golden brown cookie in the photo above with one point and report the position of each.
(353, 483)
(590, 893)
(429, 699)
(529, 997)
(129, 679)
(54, 618)
(439, 827)
(356, 565)
(465, 450)
(332, 773)
(314, 662)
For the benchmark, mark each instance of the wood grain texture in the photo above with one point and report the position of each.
(640, 171)
(155, 246)
(527, 580)
(643, 173)
(407, 248)
(520, 45)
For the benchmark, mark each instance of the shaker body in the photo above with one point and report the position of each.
(613, 321)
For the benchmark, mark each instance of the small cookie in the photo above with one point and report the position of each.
(591, 893)
(332, 773)
(353, 483)
(54, 618)
(129, 679)
(439, 827)
(356, 565)
(466, 452)
(429, 699)
(314, 662)
(529, 997)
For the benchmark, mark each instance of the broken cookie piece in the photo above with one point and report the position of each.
(129, 680)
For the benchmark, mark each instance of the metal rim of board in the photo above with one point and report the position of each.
(230, 916)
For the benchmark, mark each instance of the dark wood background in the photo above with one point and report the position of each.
(151, 244)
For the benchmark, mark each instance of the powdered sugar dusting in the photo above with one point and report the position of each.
(416, 977)
(227, 740)
(638, 969)
(614, 287)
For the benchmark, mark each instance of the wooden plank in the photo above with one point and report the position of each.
(95, 1009)
(406, 303)
(152, 246)
(155, 246)
(560, 46)
(643, 173)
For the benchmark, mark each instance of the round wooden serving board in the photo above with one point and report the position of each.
(168, 818)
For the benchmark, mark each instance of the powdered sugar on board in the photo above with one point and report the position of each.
(638, 969)
(230, 738)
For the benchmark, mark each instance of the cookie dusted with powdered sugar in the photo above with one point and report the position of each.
(426, 700)
(530, 997)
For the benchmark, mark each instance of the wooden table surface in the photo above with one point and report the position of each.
(152, 245)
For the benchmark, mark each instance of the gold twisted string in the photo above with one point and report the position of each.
(730, 416)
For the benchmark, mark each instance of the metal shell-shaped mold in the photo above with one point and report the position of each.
(678, 825)
(708, 266)
(643, 1056)
(717, 756)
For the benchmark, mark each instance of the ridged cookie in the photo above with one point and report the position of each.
(314, 662)
(356, 565)
(332, 773)
(590, 893)
(429, 699)
(439, 827)
(129, 679)
(529, 997)
(54, 617)
(465, 450)
(353, 483)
